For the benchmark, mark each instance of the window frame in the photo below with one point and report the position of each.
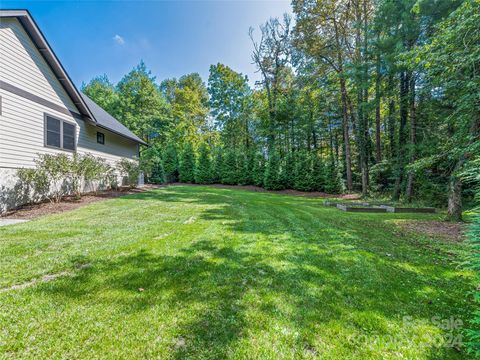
(62, 121)
(103, 135)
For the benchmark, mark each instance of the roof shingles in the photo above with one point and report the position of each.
(107, 121)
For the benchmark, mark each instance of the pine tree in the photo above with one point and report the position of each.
(273, 179)
(258, 170)
(217, 168)
(318, 173)
(229, 168)
(170, 163)
(158, 172)
(333, 183)
(187, 164)
(203, 170)
(303, 172)
(289, 171)
(243, 175)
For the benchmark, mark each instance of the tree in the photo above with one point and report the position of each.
(303, 172)
(141, 107)
(273, 180)
(323, 31)
(203, 170)
(158, 172)
(258, 171)
(217, 171)
(231, 104)
(271, 55)
(190, 110)
(318, 173)
(186, 167)
(170, 163)
(230, 169)
(102, 91)
(451, 61)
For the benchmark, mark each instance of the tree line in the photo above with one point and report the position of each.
(380, 97)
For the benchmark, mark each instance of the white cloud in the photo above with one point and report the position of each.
(119, 40)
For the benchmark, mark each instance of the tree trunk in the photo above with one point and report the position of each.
(346, 135)
(455, 195)
(343, 92)
(391, 117)
(413, 139)
(400, 166)
(378, 144)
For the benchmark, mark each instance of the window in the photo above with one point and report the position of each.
(101, 138)
(68, 136)
(59, 134)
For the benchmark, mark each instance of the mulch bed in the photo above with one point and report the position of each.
(448, 231)
(32, 211)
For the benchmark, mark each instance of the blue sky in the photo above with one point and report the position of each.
(172, 37)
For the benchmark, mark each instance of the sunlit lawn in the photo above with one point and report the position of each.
(201, 272)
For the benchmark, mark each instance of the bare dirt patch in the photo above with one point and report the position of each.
(68, 203)
(440, 229)
(313, 194)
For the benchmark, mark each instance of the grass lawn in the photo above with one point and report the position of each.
(200, 272)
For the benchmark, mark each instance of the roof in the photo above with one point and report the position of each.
(88, 109)
(107, 121)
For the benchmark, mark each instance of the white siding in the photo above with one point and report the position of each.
(22, 120)
(22, 65)
(22, 134)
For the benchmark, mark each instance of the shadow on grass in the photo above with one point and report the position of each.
(313, 268)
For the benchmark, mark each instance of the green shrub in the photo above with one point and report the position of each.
(57, 169)
(32, 186)
(130, 170)
(83, 169)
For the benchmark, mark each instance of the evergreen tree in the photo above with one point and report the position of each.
(158, 172)
(273, 179)
(170, 163)
(229, 168)
(243, 175)
(303, 172)
(333, 184)
(217, 168)
(289, 171)
(258, 170)
(318, 174)
(203, 171)
(187, 164)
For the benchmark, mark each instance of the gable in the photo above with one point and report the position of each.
(22, 65)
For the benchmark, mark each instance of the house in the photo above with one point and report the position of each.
(41, 110)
